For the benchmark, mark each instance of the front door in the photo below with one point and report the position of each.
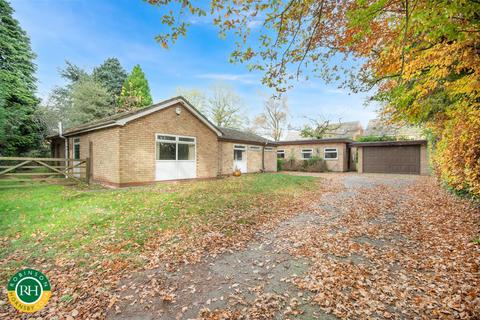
(240, 158)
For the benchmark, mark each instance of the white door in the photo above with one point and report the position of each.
(76, 156)
(175, 157)
(240, 158)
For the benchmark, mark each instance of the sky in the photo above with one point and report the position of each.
(86, 32)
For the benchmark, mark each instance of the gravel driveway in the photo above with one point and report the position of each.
(377, 246)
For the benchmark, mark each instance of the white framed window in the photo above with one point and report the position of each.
(280, 153)
(239, 147)
(268, 149)
(330, 153)
(255, 148)
(307, 154)
(177, 148)
(238, 151)
(76, 148)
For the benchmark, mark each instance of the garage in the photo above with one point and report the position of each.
(401, 157)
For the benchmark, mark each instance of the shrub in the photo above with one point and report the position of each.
(457, 153)
(280, 164)
(372, 138)
(314, 164)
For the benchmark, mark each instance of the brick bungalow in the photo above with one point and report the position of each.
(170, 140)
(335, 152)
(340, 155)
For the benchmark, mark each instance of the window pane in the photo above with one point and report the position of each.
(281, 155)
(186, 139)
(165, 151)
(330, 155)
(237, 155)
(239, 147)
(76, 151)
(186, 151)
(306, 155)
(166, 138)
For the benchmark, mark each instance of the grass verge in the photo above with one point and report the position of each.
(75, 231)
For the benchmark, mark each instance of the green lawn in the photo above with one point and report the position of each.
(56, 222)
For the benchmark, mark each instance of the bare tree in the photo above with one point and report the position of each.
(318, 128)
(196, 98)
(273, 119)
(224, 107)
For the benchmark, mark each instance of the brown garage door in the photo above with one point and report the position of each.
(392, 159)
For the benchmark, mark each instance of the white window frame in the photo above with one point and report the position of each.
(281, 151)
(255, 148)
(240, 147)
(268, 149)
(307, 150)
(176, 142)
(330, 150)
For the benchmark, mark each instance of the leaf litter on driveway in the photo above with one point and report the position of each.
(383, 247)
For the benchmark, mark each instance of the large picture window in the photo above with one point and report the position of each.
(330, 153)
(175, 148)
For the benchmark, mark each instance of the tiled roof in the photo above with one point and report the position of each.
(112, 120)
(237, 135)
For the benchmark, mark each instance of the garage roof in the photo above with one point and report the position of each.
(388, 143)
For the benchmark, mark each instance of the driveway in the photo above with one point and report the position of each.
(375, 246)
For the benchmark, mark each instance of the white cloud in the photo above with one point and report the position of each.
(335, 91)
(256, 23)
(246, 78)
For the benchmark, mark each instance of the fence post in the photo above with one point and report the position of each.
(90, 161)
(87, 170)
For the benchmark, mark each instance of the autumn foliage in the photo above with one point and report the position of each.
(457, 155)
(428, 73)
(421, 58)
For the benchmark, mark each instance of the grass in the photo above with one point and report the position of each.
(58, 222)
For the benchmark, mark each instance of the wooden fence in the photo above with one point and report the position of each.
(21, 172)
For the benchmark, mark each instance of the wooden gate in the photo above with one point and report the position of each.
(20, 171)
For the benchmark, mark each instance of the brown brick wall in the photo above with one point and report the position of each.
(360, 160)
(137, 144)
(424, 161)
(225, 157)
(254, 158)
(105, 159)
(271, 160)
(339, 165)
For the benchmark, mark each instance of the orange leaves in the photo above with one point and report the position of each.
(457, 157)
